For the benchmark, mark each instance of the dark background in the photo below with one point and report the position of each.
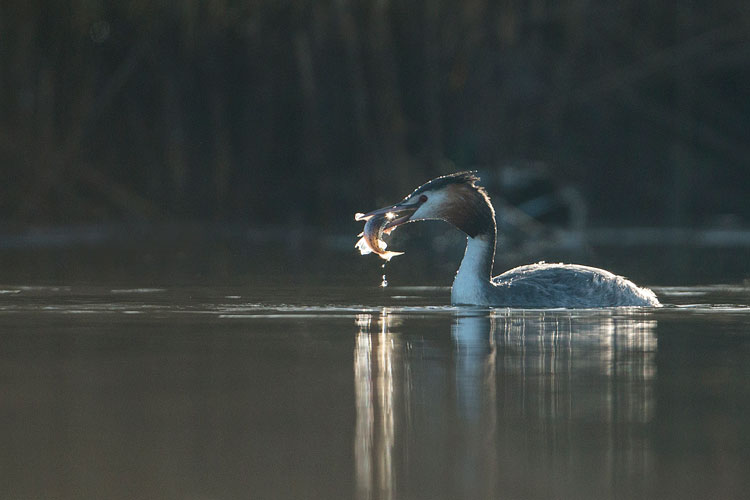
(296, 114)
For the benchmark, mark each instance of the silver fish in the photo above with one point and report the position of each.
(371, 240)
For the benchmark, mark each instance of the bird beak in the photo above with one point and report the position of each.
(396, 215)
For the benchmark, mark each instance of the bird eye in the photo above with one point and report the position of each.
(422, 198)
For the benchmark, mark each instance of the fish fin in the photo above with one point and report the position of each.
(389, 255)
(363, 247)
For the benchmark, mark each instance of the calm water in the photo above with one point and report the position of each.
(225, 393)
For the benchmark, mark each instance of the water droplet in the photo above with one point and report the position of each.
(384, 283)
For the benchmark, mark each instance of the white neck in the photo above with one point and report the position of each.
(472, 282)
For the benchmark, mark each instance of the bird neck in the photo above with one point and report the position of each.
(473, 277)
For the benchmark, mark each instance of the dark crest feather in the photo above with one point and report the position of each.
(468, 177)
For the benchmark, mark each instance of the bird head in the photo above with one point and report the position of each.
(455, 198)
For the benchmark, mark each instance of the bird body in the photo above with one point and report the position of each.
(457, 199)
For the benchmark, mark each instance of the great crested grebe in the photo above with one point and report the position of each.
(457, 199)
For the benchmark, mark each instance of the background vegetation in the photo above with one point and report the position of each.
(302, 112)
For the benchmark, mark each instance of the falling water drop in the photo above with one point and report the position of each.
(383, 283)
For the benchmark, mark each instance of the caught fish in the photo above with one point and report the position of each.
(371, 240)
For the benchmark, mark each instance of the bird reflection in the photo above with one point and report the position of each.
(466, 406)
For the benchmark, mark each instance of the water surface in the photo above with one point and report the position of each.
(361, 392)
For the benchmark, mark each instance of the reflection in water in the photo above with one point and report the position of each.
(507, 393)
(476, 401)
(374, 393)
